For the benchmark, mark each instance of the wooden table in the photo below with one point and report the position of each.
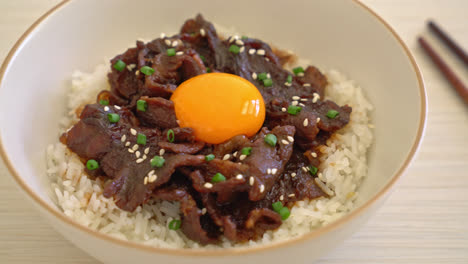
(424, 221)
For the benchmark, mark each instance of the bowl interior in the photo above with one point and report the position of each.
(332, 34)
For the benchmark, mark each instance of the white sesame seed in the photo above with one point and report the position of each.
(232, 39)
(146, 180)
(137, 73)
(179, 53)
(306, 85)
(318, 119)
(147, 150)
(294, 103)
(251, 181)
(117, 107)
(240, 176)
(293, 174)
(203, 211)
(242, 157)
(304, 99)
(133, 131)
(281, 197)
(283, 109)
(254, 76)
(268, 75)
(167, 41)
(252, 51)
(301, 104)
(268, 171)
(137, 154)
(313, 154)
(306, 122)
(291, 139)
(152, 178)
(123, 138)
(239, 42)
(316, 98)
(287, 84)
(131, 150)
(241, 49)
(128, 143)
(274, 171)
(304, 169)
(261, 52)
(301, 74)
(161, 152)
(139, 160)
(296, 97)
(267, 59)
(262, 188)
(135, 147)
(227, 156)
(285, 142)
(291, 195)
(175, 43)
(106, 108)
(208, 185)
(162, 35)
(202, 32)
(144, 156)
(235, 154)
(151, 172)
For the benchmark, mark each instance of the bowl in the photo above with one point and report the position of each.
(80, 34)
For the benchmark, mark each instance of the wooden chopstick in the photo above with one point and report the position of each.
(448, 41)
(445, 69)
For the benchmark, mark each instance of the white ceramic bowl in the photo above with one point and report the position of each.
(79, 34)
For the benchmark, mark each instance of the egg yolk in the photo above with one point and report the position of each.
(219, 106)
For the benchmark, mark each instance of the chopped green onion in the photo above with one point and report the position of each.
(332, 114)
(244, 37)
(294, 110)
(92, 164)
(103, 102)
(119, 65)
(146, 70)
(218, 177)
(289, 79)
(284, 213)
(142, 105)
(170, 135)
(175, 224)
(312, 170)
(171, 52)
(202, 58)
(267, 82)
(209, 157)
(271, 139)
(208, 69)
(262, 76)
(277, 206)
(157, 161)
(246, 151)
(141, 139)
(234, 49)
(113, 118)
(298, 70)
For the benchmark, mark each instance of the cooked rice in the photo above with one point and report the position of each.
(343, 167)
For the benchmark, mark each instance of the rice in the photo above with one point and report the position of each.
(343, 167)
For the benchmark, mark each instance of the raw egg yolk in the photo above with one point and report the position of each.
(219, 106)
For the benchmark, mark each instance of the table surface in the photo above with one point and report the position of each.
(425, 220)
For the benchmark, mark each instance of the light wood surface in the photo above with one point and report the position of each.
(424, 221)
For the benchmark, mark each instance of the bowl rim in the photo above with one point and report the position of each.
(228, 251)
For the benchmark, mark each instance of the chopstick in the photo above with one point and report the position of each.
(448, 41)
(445, 69)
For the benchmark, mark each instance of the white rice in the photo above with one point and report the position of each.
(343, 167)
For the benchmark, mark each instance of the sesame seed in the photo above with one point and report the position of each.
(175, 43)
(296, 98)
(137, 73)
(293, 174)
(147, 150)
(128, 143)
(133, 131)
(251, 181)
(203, 211)
(316, 98)
(291, 195)
(208, 185)
(123, 138)
(301, 74)
(281, 197)
(235, 154)
(137, 154)
(252, 51)
(294, 103)
(162, 35)
(313, 154)
(131, 150)
(304, 99)
(202, 32)
(268, 171)
(239, 177)
(287, 84)
(291, 139)
(261, 52)
(144, 156)
(226, 157)
(135, 147)
(318, 119)
(146, 180)
(267, 59)
(268, 75)
(179, 53)
(232, 39)
(274, 171)
(167, 41)
(301, 104)
(304, 169)
(239, 42)
(151, 172)
(152, 178)
(306, 122)
(106, 108)
(241, 49)
(306, 85)
(117, 107)
(139, 160)
(262, 188)
(242, 157)
(285, 142)
(254, 76)
(283, 109)
(161, 152)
